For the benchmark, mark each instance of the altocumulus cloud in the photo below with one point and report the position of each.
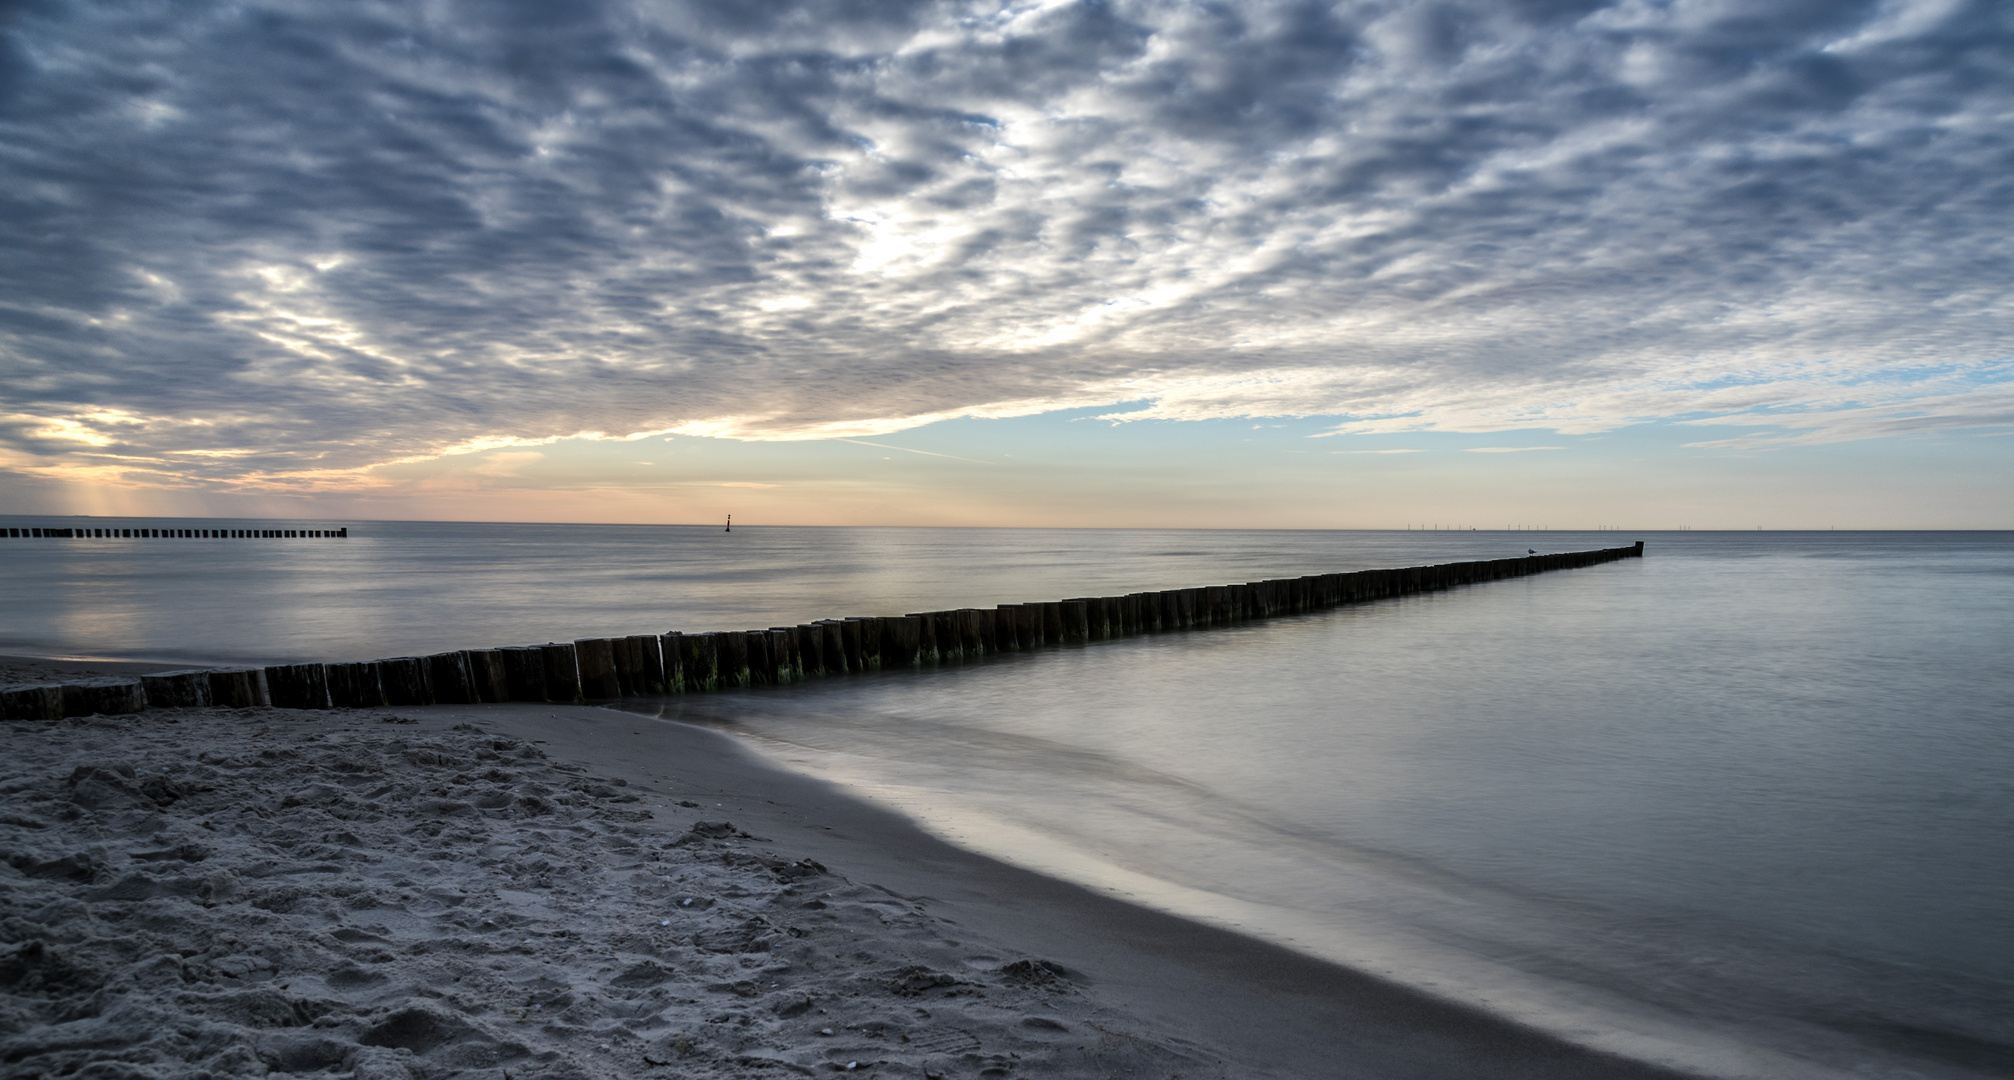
(275, 243)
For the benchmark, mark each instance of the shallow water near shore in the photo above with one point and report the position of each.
(1743, 805)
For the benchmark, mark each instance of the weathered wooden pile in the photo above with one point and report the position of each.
(593, 669)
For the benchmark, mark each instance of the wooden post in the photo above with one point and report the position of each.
(1007, 632)
(926, 639)
(944, 637)
(187, 689)
(761, 665)
(451, 678)
(596, 657)
(237, 688)
(1094, 617)
(811, 649)
(732, 651)
(407, 680)
(901, 641)
(1098, 618)
(777, 666)
(699, 662)
(870, 641)
(106, 697)
(1050, 618)
(355, 686)
(989, 632)
(562, 672)
(670, 646)
(627, 660)
(486, 672)
(969, 645)
(1076, 628)
(1035, 627)
(783, 652)
(832, 645)
(1007, 628)
(43, 702)
(1147, 605)
(524, 672)
(640, 665)
(792, 646)
(298, 686)
(849, 644)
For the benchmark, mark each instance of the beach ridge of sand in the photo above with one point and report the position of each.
(218, 893)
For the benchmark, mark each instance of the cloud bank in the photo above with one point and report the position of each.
(274, 244)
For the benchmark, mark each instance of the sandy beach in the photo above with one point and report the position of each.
(544, 891)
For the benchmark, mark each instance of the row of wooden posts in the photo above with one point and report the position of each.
(149, 532)
(592, 669)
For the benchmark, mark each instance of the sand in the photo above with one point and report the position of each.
(538, 891)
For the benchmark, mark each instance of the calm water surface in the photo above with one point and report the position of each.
(1744, 805)
(398, 588)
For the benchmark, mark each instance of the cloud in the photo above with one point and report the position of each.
(506, 464)
(907, 450)
(342, 235)
(1508, 449)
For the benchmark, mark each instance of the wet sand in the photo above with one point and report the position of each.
(529, 891)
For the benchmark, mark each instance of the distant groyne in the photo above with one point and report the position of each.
(177, 532)
(647, 665)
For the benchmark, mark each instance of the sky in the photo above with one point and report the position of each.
(1561, 263)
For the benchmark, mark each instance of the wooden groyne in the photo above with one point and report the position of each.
(175, 532)
(645, 665)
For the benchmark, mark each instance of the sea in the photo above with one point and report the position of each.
(1744, 806)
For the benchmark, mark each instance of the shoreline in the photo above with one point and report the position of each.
(1186, 998)
(1269, 1009)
